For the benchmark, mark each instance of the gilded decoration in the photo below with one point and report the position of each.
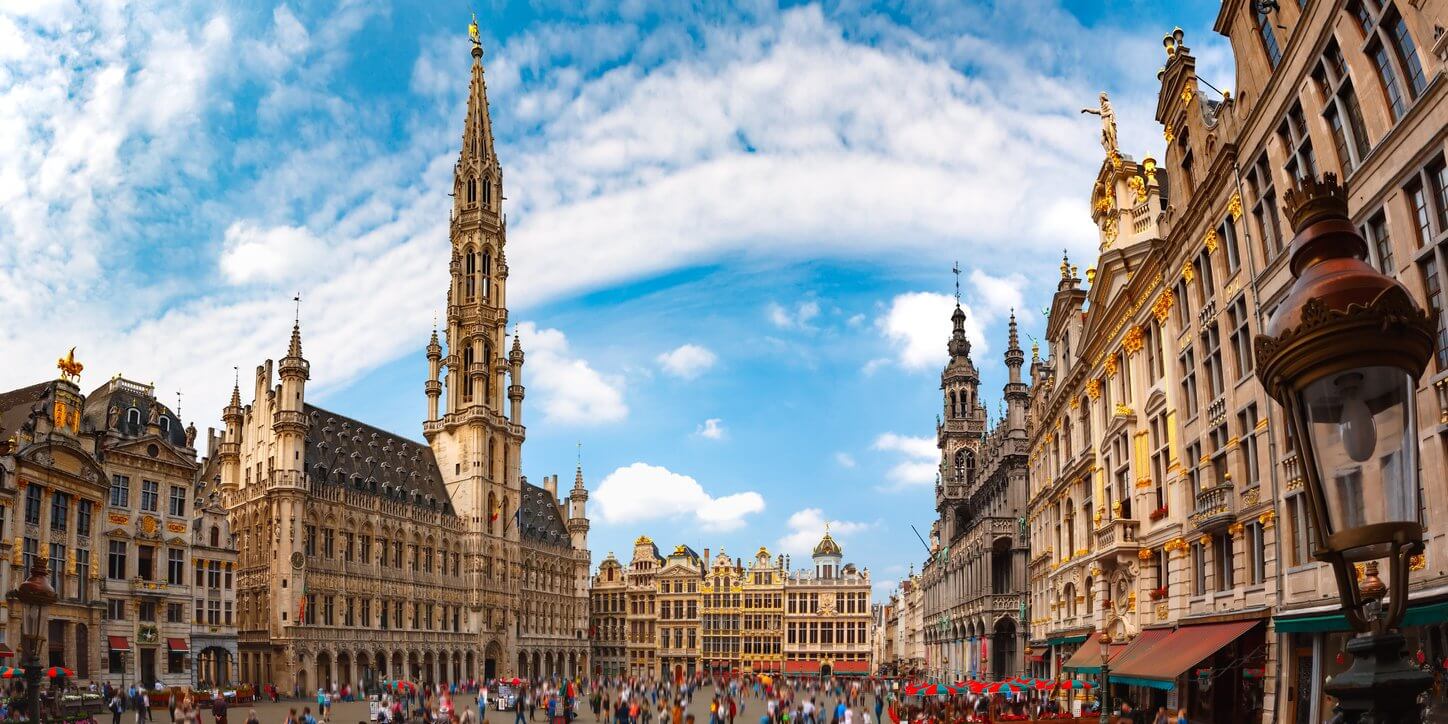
(1211, 241)
(1161, 611)
(149, 525)
(118, 518)
(1267, 518)
(1418, 562)
(1161, 308)
(1096, 517)
(1108, 229)
(1167, 134)
(1251, 496)
(1188, 94)
(1234, 529)
(1075, 402)
(175, 527)
(69, 368)
(1188, 273)
(1111, 365)
(1206, 539)
(1146, 554)
(1133, 341)
(1093, 388)
(1131, 602)
(1138, 187)
(1116, 508)
(1234, 206)
(1122, 409)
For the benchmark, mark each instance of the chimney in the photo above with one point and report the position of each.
(550, 484)
(706, 558)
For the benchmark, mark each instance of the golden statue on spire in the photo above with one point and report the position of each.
(473, 31)
(69, 368)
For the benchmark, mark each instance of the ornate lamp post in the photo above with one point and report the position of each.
(1342, 355)
(33, 596)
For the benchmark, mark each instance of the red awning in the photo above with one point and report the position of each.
(119, 643)
(1139, 647)
(801, 667)
(178, 645)
(1037, 658)
(1184, 648)
(852, 667)
(1088, 657)
(5, 651)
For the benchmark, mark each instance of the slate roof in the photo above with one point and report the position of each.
(99, 402)
(15, 406)
(344, 451)
(542, 521)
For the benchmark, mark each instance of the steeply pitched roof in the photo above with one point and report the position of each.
(542, 521)
(344, 451)
(15, 406)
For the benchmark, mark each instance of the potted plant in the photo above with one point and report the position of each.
(1158, 514)
(1158, 593)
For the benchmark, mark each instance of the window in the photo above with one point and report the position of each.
(1241, 336)
(1376, 234)
(309, 539)
(1193, 467)
(1407, 52)
(1433, 287)
(226, 617)
(327, 546)
(1199, 569)
(366, 549)
(1212, 360)
(1247, 444)
(328, 609)
(1160, 458)
(1301, 161)
(1256, 553)
(57, 568)
(1227, 238)
(83, 517)
(59, 510)
(178, 501)
(213, 574)
(1222, 557)
(213, 612)
(1264, 211)
(1218, 436)
(1180, 310)
(146, 610)
(82, 572)
(1151, 342)
(175, 613)
(1392, 51)
(1300, 553)
(1341, 108)
(150, 494)
(32, 506)
(116, 561)
(145, 562)
(1187, 368)
(115, 609)
(1269, 40)
(175, 566)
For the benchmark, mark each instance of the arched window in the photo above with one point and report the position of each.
(470, 269)
(487, 192)
(486, 270)
(468, 374)
(472, 190)
(488, 377)
(165, 423)
(133, 416)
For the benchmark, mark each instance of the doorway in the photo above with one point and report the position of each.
(147, 672)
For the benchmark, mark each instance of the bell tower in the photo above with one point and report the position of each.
(475, 433)
(958, 434)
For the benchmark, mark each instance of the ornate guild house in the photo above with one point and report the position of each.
(365, 554)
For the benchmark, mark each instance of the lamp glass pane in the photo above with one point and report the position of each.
(1364, 438)
(30, 620)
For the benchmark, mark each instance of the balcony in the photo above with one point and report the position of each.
(1207, 314)
(1214, 507)
(1117, 534)
(1217, 411)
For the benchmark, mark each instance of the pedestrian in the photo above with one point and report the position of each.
(218, 708)
(1182, 716)
(1161, 716)
(116, 707)
(251, 717)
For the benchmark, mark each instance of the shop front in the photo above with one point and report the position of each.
(1316, 648)
(1213, 670)
(1060, 649)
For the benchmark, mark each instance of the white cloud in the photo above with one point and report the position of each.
(687, 361)
(797, 318)
(641, 492)
(807, 527)
(917, 324)
(250, 253)
(571, 390)
(712, 429)
(920, 463)
(845, 460)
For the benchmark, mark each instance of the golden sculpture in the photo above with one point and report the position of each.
(1210, 241)
(1234, 206)
(473, 31)
(69, 368)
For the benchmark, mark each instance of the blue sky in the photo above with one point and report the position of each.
(730, 226)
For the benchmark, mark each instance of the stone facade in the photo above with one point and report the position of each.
(672, 617)
(899, 636)
(974, 583)
(366, 555)
(104, 486)
(1165, 493)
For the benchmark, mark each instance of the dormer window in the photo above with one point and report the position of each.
(165, 424)
(133, 416)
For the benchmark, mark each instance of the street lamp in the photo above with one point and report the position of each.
(33, 596)
(1342, 355)
(1105, 641)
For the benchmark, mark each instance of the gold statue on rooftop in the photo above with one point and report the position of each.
(69, 368)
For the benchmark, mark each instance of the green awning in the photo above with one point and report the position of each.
(1062, 640)
(1153, 683)
(1335, 622)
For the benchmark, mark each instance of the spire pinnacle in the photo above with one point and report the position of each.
(1015, 339)
(295, 348)
(235, 386)
(1065, 264)
(955, 269)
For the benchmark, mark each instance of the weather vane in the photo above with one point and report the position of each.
(955, 269)
(298, 300)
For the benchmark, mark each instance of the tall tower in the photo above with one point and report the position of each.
(1017, 393)
(476, 443)
(958, 435)
(289, 492)
(577, 514)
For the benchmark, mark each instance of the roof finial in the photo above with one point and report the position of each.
(955, 268)
(1065, 264)
(178, 404)
(297, 320)
(474, 36)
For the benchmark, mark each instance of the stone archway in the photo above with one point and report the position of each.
(324, 670)
(396, 670)
(344, 668)
(537, 667)
(429, 668)
(414, 666)
(548, 670)
(1003, 648)
(523, 671)
(492, 661)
